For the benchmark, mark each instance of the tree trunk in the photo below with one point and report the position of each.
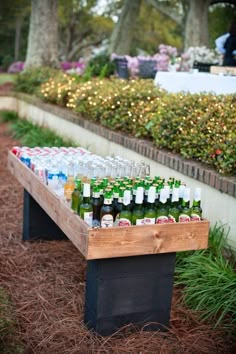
(196, 27)
(122, 35)
(19, 21)
(43, 35)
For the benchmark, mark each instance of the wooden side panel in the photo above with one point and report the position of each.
(71, 224)
(137, 240)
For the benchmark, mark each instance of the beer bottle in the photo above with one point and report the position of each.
(185, 210)
(76, 198)
(196, 210)
(106, 214)
(163, 208)
(96, 203)
(119, 206)
(181, 194)
(125, 214)
(174, 208)
(115, 197)
(138, 211)
(146, 189)
(150, 210)
(69, 186)
(86, 209)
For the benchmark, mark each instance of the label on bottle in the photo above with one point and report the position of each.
(124, 222)
(149, 221)
(184, 218)
(107, 220)
(162, 219)
(88, 217)
(195, 217)
(172, 219)
(139, 221)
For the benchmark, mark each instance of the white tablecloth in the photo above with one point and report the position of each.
(195, 82)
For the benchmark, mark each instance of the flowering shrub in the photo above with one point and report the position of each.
(77, 67)
(16, 67)
(200, 126)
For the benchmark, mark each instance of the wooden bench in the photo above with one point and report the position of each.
(129, 269)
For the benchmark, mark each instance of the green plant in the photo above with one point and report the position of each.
(209, 280)
(8, 116)
(33, 135)
(29, 81)
(101, 66)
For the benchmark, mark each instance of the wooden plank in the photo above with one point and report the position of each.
(70, 223)
(226, 70)
(141, 240)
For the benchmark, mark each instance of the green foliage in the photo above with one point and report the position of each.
(33, 135)
(209, 280)
(200, 126)
(101, 66)
(8, 116)
(29, 81)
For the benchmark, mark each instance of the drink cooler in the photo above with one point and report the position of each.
(129, 269)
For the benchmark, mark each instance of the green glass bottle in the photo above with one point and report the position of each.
(119, 206)
(163, 208)
(86, 208)
(138, 210)
(107, 212)
(76, 197)
(196, 210)
(115, 196)
(185, 211)
(96, 203)
(125, 216)
(150, 210)
(174, 208)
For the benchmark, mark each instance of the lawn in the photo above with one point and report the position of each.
(7, 78)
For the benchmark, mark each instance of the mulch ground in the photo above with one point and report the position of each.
(46, 283)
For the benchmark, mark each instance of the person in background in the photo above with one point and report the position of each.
(230, 47)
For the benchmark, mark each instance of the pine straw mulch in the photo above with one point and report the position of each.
(46, 282)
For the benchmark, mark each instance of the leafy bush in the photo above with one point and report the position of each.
(200, 126)
(100, 66)
(209, 280)
(30, 80)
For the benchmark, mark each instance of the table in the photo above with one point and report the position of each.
(130, 270)
(195, 82)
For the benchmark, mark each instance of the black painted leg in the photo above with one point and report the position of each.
(127, 290)
(37, 225)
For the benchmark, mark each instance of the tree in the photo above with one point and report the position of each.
(122, 35)
(80, 28)
(196, 26)
(43, 35)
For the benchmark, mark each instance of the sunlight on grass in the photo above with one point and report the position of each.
(7, 78)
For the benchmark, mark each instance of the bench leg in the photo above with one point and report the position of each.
(37, 225)
(127, 290)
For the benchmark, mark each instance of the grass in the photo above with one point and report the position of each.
(30, 134)
(209, 280)
(7, 78)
